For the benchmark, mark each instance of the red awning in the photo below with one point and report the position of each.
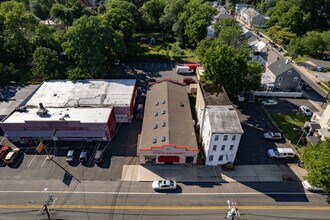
(168, 159)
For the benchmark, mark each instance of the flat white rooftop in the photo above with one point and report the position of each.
(83, 115)
(95, 93)
(224, 119)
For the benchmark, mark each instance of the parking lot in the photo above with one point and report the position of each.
(253, 148)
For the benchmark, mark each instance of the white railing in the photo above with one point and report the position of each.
(278, 94)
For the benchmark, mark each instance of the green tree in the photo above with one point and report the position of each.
(17, 26)
(191, 27)
(296, 48)
(129, 7)
(69, 11)
(203, 46)
(171, 14)
(123, 23)
(151, 12)
(293, 20)
(225, 65)
(313, 43)
(46, 63)
(316, 160)
(280, 35)
(48, 36)
(264, 5)
(41, 8)
(92, 44)
(7, 73)
(326, 40)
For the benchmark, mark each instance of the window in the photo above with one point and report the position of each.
(163, 102)
(216, 138)
(211, 158)
(163, 124)
(295, 79)
(289, 72)
(223, 147)
(231, 147)
(225, 137)
(156, 103)
(154, 140)
(155, 114)
(278, 85)
(155, 126)
(220, 157)
(233, 138)
(214, 147)
(163, 138)
(163, 112)
(280, 79)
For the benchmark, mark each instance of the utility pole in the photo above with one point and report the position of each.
(45, 207)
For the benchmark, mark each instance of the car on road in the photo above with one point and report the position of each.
(269, 102)
(311, 188)
(12, 156)
(164, 185)
(272, 135)
(281, 153)
(99, 155)
(83, 155)
(305, 110)
(4, 151)
(70, 156)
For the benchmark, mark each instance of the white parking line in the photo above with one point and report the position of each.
(2, 140)
(46, 157)
(32, 160)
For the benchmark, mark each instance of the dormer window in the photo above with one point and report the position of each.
(289, 72)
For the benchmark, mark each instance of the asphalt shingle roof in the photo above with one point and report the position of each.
(167, 114)
(279, 67)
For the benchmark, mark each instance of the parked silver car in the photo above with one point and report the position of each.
(272, 135)
(269, 102)
(305, 110)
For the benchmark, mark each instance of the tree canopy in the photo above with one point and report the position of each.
(46, 64)
(316, 160)
(93, 44)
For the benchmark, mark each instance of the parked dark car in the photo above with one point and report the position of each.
(70, 156)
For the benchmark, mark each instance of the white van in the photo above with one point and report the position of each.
(281, 153)
(184, 70)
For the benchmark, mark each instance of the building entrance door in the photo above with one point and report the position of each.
(168, 159)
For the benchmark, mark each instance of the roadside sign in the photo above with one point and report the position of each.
(40, 147)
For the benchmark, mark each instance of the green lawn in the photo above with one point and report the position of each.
(168, 51)
(287, 123)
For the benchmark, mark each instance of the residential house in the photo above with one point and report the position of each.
(239, 7)
(252, 18)
(219, 126)
(282, 76)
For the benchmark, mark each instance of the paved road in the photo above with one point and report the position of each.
(127, 200)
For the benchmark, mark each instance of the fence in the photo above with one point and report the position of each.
(278, 94)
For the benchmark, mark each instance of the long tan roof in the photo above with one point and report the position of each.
(167, 117)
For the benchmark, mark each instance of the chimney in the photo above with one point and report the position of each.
(287, 61)
(41, 106)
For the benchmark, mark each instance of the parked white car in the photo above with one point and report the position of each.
(164, 185)
(269, 102)
(305, 110)
(184, 70)
(273, 135)
(311, 188)
(281, 153)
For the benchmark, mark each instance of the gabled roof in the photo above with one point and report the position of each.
(250, 12)
(280, 66)
(167, 114)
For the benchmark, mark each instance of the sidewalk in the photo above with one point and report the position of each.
(185, 173)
